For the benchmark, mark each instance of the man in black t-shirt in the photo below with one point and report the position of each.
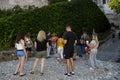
(70, 41)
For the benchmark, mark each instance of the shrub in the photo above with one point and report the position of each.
(56, 1)
(79, 14)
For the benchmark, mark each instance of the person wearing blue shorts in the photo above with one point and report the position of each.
(21, 53)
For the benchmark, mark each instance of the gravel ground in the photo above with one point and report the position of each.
(109, 51)
(55, 71)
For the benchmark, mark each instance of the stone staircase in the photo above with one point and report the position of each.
(114, 18)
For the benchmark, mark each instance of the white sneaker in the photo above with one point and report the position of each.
(91, 69)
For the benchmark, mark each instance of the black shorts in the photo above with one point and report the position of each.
(28, 49)
(68, 52)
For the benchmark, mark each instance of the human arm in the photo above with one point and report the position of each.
(90, 45)
(35, 44)
(75, 37)
(65, 42)
(47, 44)
(23, 45)
(65, 39)
(75, 42)
(31, 42)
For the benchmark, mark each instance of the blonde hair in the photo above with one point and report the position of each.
(95, 37)
(41, 36)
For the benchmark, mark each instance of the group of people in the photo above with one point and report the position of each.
(62, 45)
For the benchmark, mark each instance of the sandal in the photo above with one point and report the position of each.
(32, 72)
(22, 75)
(16, 73)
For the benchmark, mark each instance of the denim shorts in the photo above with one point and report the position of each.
(20, 53)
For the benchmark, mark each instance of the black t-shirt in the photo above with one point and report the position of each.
(70, 37)
(41, 46)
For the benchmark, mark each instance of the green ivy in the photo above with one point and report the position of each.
(80, 14)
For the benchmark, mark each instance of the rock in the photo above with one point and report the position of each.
(8, 4)
(106, 69)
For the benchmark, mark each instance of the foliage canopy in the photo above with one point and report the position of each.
(115, 4)
(80, 14)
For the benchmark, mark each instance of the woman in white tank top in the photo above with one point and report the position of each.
(93, 51)
(19, 46)
(21, 53)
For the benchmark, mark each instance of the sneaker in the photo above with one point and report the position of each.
(72, 73)
(91, 69)
(16, 73)
(67, 74)
(21, 75)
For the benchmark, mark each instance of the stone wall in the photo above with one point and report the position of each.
(7, 4)
(110, 14)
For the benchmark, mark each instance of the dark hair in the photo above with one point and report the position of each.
(68, 26)
(60, 35)
(19, 37)
(48, 32)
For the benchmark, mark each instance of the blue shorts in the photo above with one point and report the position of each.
(20, 53)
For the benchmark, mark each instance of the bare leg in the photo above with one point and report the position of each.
(74, 56)
(18, 66)
(42, 65)
(68, 65)
(72, 64)
(22, 65)
(27, 56)
(35, 64)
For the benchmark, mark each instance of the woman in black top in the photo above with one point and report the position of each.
(40, 45)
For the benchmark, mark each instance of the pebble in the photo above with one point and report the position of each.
(55, 71)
